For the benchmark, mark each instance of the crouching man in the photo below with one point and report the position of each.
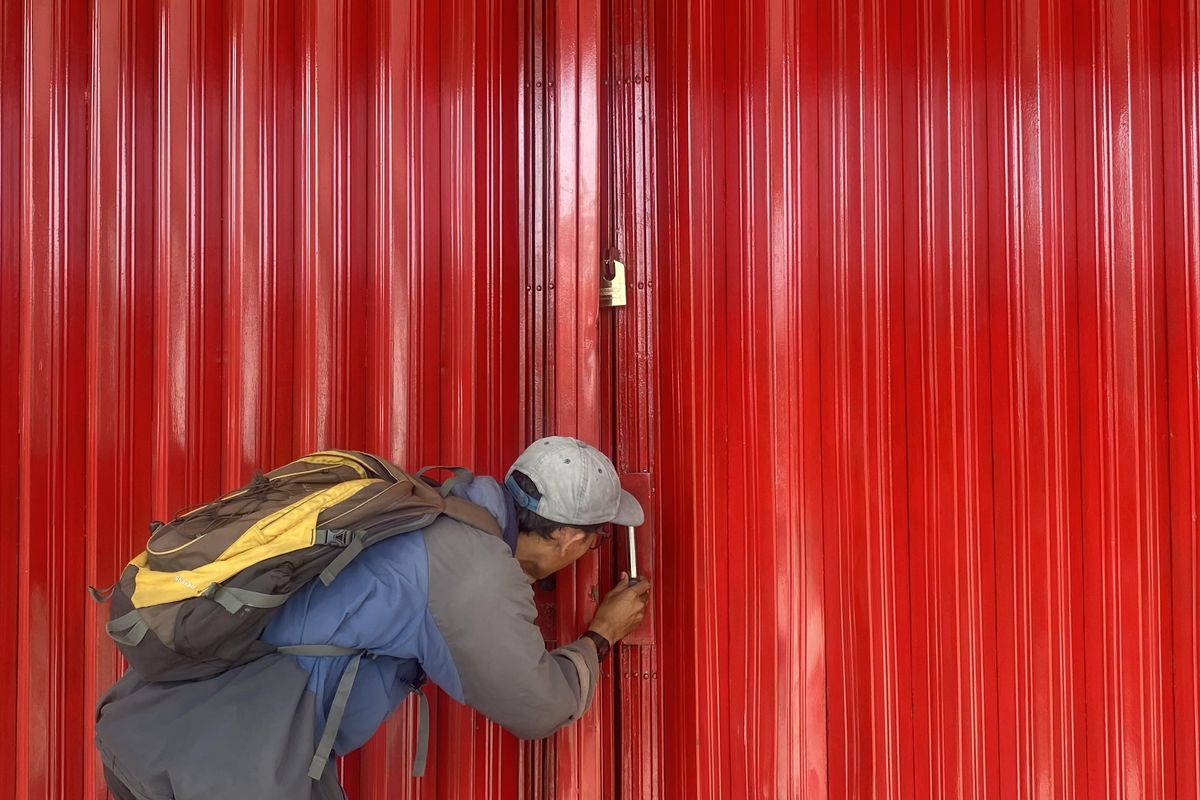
(451, 603)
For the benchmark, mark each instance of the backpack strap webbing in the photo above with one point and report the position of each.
(129, 628)
(341, 697)
(316, 767)
(471, 514)
(422, 753)
(461, 475)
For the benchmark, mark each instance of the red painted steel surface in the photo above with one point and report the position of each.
(234, 232)
(909, 372)
(1036, 405)
(1123, 393)
(734, 441)
(1181, 265)
(925, 379)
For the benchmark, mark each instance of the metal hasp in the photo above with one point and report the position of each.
(639, 542)
(633, 572)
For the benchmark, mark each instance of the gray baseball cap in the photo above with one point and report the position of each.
(578, 484)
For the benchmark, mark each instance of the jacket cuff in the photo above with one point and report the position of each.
(582, 654)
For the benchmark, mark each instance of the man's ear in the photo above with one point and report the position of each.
(567, 537)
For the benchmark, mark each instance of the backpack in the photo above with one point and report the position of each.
(195, 602)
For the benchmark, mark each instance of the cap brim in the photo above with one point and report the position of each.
(630, 511)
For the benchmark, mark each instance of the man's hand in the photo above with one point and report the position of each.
(622, 609)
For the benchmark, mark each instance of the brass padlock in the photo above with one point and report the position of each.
(612, 290)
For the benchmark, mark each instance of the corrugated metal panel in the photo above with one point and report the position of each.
(1181, 221)
(735, 435)
(582, 757)
(861, 415)
(908, 375)
(1122, 388)
(628, 360)
(925, 276)
(11, 256)
(50, 202)
(233, 232)
(1036, 404)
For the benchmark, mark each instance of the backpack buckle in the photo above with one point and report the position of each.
(337, 537)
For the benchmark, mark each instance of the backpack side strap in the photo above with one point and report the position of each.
(334, 721)
(341, 697)
(233, 599)
(129, 628)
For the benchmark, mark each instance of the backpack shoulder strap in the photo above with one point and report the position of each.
(468, 513)
(459, 509)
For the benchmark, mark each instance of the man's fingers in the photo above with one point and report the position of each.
(642, 587)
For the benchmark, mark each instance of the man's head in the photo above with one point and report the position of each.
(567, 492)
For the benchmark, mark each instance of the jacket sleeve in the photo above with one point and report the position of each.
(482, 606)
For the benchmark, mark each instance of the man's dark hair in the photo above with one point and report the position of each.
(532, 522)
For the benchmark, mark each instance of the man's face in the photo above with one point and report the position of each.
(568, 546)
(541, 558)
